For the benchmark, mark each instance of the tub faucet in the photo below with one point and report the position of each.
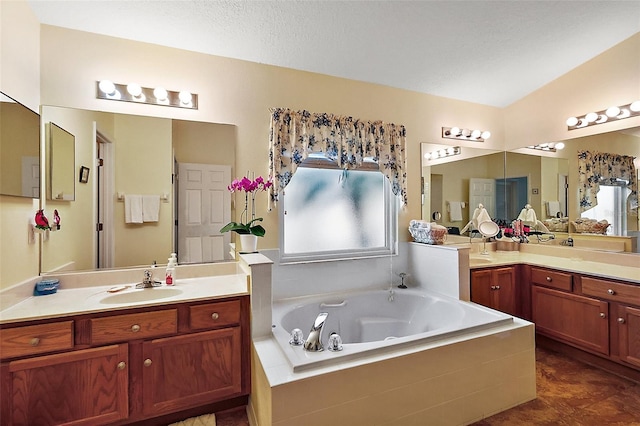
(402, 276)
(314, 341)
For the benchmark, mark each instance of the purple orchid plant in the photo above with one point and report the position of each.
(248, 186)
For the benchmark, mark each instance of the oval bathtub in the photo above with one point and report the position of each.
(373, 322)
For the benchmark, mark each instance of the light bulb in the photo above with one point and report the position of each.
(486, 135)
(107, 87)
(582, 122)
(466, 133)
(612, 111)
(601, 119)
(624, 113)
(572, 121)
(635, 106)
(427, 156)
(591, 117)
(134, 89)
(455, 131)
(476, 134)
(185, 97)
(560, 145)
(451, 151)
(442, 153)
(160, 93)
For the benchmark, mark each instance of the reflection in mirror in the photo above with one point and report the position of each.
(20, 148)
(141, 156)
(60, 149)
(553, 192)
(454, 185)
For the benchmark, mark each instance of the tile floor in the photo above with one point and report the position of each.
(570, 393)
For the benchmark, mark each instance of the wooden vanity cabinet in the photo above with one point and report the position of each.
(579, 320)
(495, 288)
(85, 387)
(128, 366)
(597, 315)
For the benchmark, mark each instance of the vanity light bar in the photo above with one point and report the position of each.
(133, 92)
(549, 147)
(609, 114)
(444, 152)
(465, 134)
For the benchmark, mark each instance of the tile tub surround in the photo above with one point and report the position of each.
(455, 381)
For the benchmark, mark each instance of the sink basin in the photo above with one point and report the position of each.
(477, 260)
(140, 295)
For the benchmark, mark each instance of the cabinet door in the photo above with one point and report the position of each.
(481, 291)
(504, 290)
(629, 334)
(578, 320)
(87, 387)
(190, 370)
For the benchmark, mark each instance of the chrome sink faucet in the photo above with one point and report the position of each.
(148, 281)
(314, 341)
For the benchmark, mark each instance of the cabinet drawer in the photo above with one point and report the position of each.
(119, 328)
(35, 339)
(559, 280)
(213, 315)
(603, 289)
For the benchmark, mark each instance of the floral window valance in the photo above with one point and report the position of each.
(345, 140)
(595, 168)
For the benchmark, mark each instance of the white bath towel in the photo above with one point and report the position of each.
(553, 208)
(528, 216)
(132, 208)
(455, 210)
(150, 208)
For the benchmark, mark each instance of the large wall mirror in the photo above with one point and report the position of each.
(548, 181)
(178, 169)
(19, 149)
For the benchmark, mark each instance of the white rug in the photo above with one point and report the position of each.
(204, 420)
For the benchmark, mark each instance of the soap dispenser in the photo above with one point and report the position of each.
(170, 272)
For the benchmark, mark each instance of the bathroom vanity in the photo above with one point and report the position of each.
(129, 362)
(586, 308)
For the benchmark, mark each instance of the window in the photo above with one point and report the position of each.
(612, 207)
(327, 213)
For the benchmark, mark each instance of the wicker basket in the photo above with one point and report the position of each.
(590, 226)
(430, 234)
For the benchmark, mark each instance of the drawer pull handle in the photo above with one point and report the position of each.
(135, 328)
(215, 316)
(611, 292)
(621, 320)
(122, 365)
(35, 341)
(497, 287)
(147, 362)
(603, 315)
(548, 279)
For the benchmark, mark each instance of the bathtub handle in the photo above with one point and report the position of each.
(333, 305)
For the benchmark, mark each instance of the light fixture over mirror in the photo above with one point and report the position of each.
(610, 114)
(465, 134)
(133, 92)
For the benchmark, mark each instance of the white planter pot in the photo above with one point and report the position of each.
(248, 243)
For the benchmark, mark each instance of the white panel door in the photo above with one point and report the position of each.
(204, 206)
(31, 177)
(482, 191)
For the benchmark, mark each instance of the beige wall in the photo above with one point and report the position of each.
(20, 79)
(611, 78)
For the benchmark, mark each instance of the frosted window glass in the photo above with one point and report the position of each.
(328, 210)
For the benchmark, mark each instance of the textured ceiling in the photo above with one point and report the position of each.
(489, 52)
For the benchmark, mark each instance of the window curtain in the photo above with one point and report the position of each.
(595, 168)
(345, 140)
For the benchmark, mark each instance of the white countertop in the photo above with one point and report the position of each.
(577, 262)
(82, 300)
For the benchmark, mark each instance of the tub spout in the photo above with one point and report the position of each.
(314, 341)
